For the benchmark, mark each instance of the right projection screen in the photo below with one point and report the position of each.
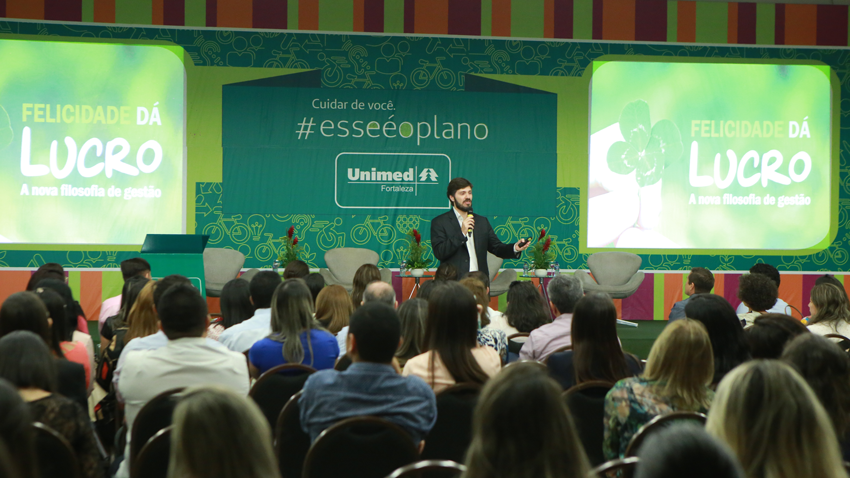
(709, 157)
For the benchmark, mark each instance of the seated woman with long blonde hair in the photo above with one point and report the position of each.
(677, 375)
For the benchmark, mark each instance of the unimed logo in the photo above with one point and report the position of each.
(391, 180)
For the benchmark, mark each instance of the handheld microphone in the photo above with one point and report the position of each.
(469, 213)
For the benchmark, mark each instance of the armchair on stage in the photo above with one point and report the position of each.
(499, 284)
(616, 274)
(343, 262)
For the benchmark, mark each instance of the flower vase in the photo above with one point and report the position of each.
(541, 272)
(417, 272)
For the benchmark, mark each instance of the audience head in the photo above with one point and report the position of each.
(334, 308)
(296, 270)
(728, 343)
(142, 319)
(129, 293)
(701, 280)
(236, 305)
(374, 333)
(25, 311)
(162, 287)
(522, 428)
(770, 332)
(826, 368)
(292, 313)
(767, 270)
(527, 308)
(773, 422)
(380, 291)
(830, 279)
(365, 275)
(220, 433)
(182, 312)
(482, 277)
(67, 322)
(686, 449)
(51, 270)
(828, 305)
(597, 354)
(135, 267)
(55, 308)
(481, 297)
(412, 315)
(682, 363)
(26, 362)
(16, 431)
(263, 286)
(757, 291)
(451, 332)
(564, 293)
(315, 282)
(426, 289)
(446, 271)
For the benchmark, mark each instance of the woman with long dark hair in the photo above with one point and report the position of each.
(412, 314)
(111, 327)
(830, 313)
(59, 343)
(596, 353)
(296, 337)
(728, 342)
(452, 353)
(365, 275)
(17, 432)
(236, 306)
(526, 309)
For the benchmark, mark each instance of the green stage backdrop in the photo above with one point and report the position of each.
(430, 64)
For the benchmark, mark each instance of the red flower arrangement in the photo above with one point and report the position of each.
(416, 252)
(290, 250)
(541, 253)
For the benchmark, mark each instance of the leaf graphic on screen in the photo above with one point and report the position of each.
(647, 150)
(6, 134)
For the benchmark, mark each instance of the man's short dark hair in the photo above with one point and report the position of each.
(455, 184)
(166, 283)
(133, 267)
(768, 270)
(564, 292)
(376, 292)
(376, 328)
(702, 279)
(484, 278)
(262, 288)
(296, 270)
(315, 282)
(758, 291)
(182, 312)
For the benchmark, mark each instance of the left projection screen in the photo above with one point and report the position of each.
(92, 142)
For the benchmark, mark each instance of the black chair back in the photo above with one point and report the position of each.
(152, 460)
(586, 402)
(291, 442)
(658, 423)
(276, 386)
(153, 417)
(621, 468)
(515, 343)
(56, 458)
(429, 468)
(360, 447)
(452, 433)
(841, 340)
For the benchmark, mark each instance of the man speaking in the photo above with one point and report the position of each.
(463, 239)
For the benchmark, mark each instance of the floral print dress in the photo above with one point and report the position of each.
(630, 404)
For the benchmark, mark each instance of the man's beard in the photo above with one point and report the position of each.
(462, 207)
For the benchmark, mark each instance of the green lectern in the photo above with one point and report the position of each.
(177, 254)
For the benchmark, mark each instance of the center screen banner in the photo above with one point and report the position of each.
(338, 151)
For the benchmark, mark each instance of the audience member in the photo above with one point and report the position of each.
(826, 368)
(427, 287)
(830, 279)
(333, 308)
(487, 336)
(365, 275)
(25, 311)
(830, 311)
(295, 336)
(728, 343)
(526, 309)
(220, 433)
(135, 267)
(376, 291)
(412, 315)
(677, 375)
(522, 428)
(780, 306)
(564, 293)
(452, 354)
(16, 432)
(769, 334)
(236, 306)
(686, 449)
(370, 386)
(51, 270)
(497, 319)
(242, 336)
(315, 282)
(445, 271)
(117, 324)
(296, 270)
(187, 359)
(67, 322)
(700, 281)
(59, 333)
(773, 422)
(758, 292)
(596, 353)
(26, 362)
(142, 320)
